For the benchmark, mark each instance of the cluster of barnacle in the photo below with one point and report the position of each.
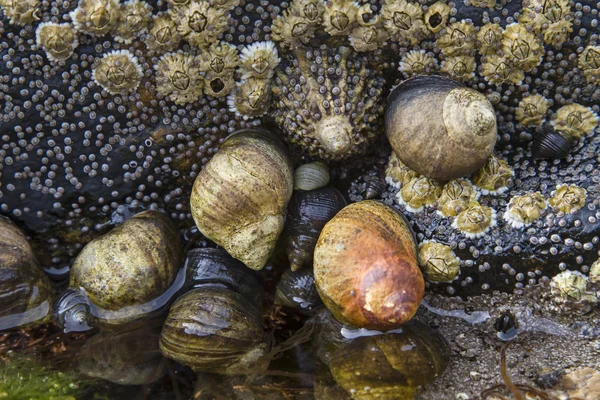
(181, 77)
(458, 199)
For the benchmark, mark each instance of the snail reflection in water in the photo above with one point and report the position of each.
(123, 275)
(25, 291)
(216, 326)
(394, 365)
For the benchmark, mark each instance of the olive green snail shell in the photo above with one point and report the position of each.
(440, 128)
(239, 198)
(132, 264)
(25, 291)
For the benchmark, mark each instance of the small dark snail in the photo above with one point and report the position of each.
(124, 275)
(374, 186)
(506, 325)
(366, 267)
(308, 212)
(550, 144)
(391, 366)
(297, 290)
(239, 198)
(25, 291)
(440, 128)
(214, 327)
(129, 356)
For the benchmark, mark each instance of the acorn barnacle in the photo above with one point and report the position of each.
(571, 286)
(532, 110)
(368, 36)
(475, 221)
(568, 198)
(58, 40)
(134, 19)
(575, 121)
(225, 4)
(178, 77)
(436, 17)
(96, 17)
(498, 70)
(595, 272)
(455, 197)
(522, 47)
(219, 65)
(339, 16)
(250, 98)
(483, 3)
(312, 10)
(438, 262)
(21, 12)
(589, 63)
(493, 177)
(259, 60)
(397, 174)
(418, 193)
(523, 210)
(162, 35)
(461, 68)
(550, 18)
(199, 23)
(418, 62)
(403, 21)
(490, 38)
(291, 30)
(326, 106)
(178, 3)
(118, 72)
(458, 39)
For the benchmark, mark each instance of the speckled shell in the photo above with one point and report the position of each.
(366, 268)
(308, 213)
(239, 198)
(132, 264)
(213, 329)
(439, 128)
(25, 292)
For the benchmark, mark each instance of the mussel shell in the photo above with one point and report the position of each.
(25, 291)
(209, 266)
(393, 365)
(297, 290)
(214, 329)
(440, 128)
(550, 144)
(308, 212)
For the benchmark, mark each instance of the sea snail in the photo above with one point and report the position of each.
(239, 198)
(366, 267)
(440, 128)
(124, 274)
(25, 291)
(216, 326)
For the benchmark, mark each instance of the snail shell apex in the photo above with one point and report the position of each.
(439, 128)
(366, 268)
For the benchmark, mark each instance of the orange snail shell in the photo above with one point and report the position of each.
(366, 268)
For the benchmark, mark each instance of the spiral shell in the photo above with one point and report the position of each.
(25, 291)
(213, 329)
(308, 213)
(434, 118)
(366, 268)
(132, 264)
(550, 144)
(239, 198)
(297, 290)
(73, 311)
(311, 176)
